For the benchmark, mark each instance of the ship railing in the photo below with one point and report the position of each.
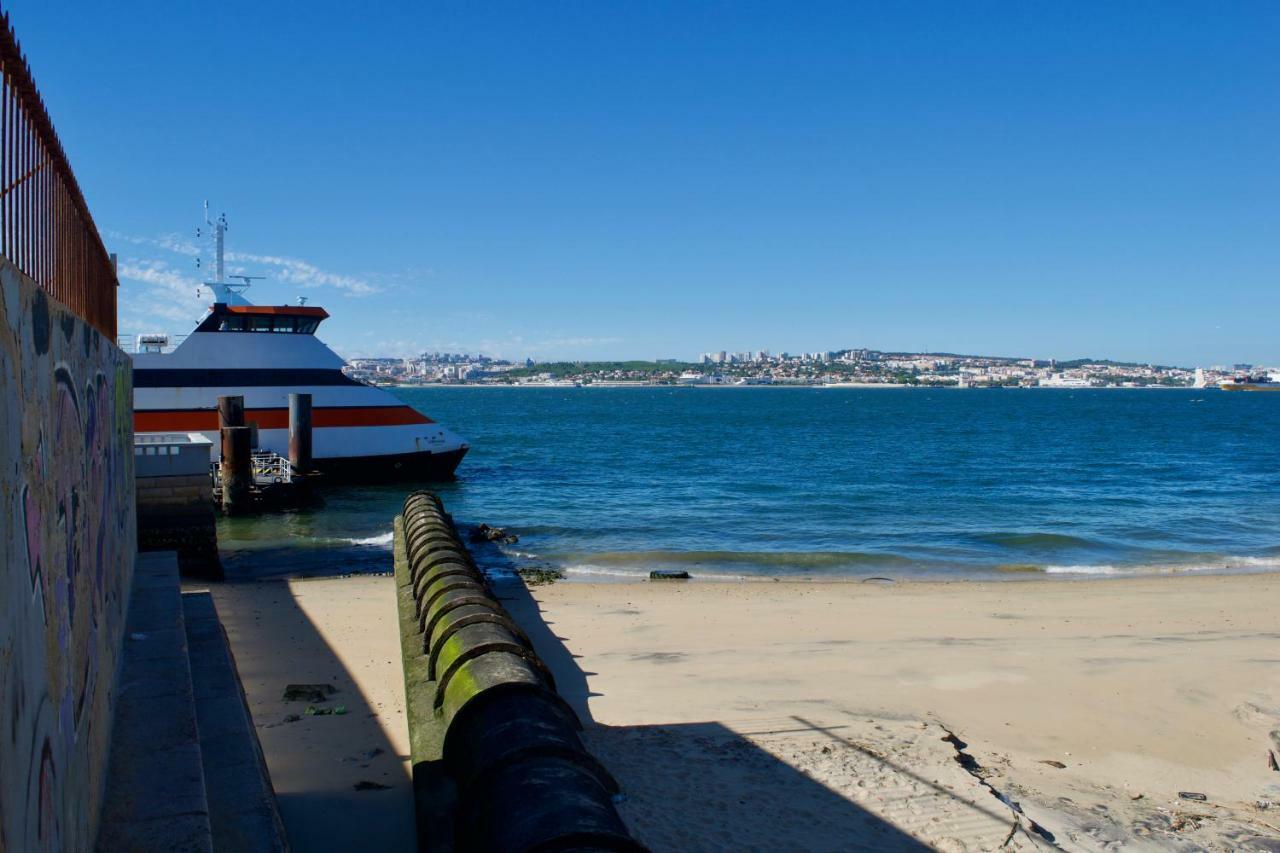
(269, 469)
(133, 344)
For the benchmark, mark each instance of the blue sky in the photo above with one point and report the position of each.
(597, 180)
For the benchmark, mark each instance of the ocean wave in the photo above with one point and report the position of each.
(601, 571)
(1224, 565)
(781, 559)
(1087, 570)
(382, 540)
(588, 572)
(1037, 541)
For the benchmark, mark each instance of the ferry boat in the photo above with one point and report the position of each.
(1252, 382)
(264, 353)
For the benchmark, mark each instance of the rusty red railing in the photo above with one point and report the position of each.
(45, 226)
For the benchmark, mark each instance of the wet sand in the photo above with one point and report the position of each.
(816, 716)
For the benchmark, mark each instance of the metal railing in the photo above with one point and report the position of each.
(45, 226)
(130, 344)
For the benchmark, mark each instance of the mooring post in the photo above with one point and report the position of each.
(230, 411)
(236, 470)
(300, 432)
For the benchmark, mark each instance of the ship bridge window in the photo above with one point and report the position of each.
(268, 323)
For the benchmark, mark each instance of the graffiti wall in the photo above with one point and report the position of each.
(67, 541)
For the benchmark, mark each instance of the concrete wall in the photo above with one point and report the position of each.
(192, 494)
(175, 500)
(67, 538)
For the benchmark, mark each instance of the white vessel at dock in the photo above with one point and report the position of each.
(264, 353)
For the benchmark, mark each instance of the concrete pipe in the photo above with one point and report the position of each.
(513, 727)
(431, 537)
(421, 554)
(437, 572)
(492, 671)
(467, 585)
(424, 562)
(422, 517)
(418, 499)
(439, 587)
(428, 618)
(421, 534)
(461, 617)
(542, 804)
(471, 642)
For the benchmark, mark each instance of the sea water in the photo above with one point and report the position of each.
(609, 483)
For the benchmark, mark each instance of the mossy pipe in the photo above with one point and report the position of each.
(452, 546)
(495, 670)
(430, 540)
(461, 617)
(427, 619)
(417, 500)
(542, 804)
(426, 521)
(424, 524)
(439, 572)
(422, 511)
(422, 563)
(430, 569)
(472, 641)
(423, 596)
(512, 727)
(441, 587)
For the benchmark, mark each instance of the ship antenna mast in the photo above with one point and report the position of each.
(223, 290)
(219, 243)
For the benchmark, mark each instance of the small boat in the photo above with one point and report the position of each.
(265, 352)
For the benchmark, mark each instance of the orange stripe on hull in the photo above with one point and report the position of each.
(204, 420)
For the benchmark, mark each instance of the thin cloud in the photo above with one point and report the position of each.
(513, 347)
(304, 274)
(158, 295)
(296, 271)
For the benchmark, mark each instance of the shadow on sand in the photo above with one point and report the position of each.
(716, 789)
(338, 778)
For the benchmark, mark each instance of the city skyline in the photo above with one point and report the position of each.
(571, 184)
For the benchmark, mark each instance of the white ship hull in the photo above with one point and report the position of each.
(358, 431)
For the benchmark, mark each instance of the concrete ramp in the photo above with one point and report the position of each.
(186, 772)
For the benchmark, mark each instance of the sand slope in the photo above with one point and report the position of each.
(812, 715)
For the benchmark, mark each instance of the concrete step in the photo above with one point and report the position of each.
(155, 792)
(242, 804)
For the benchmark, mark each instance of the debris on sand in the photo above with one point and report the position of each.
(538, 577)
(308, 692)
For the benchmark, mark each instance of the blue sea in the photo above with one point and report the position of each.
(608, 483)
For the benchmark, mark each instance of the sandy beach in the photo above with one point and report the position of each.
(825, 716)
(342, 780)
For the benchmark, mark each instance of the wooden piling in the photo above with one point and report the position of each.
(236, 469)
(230, 411)
(300, 432)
